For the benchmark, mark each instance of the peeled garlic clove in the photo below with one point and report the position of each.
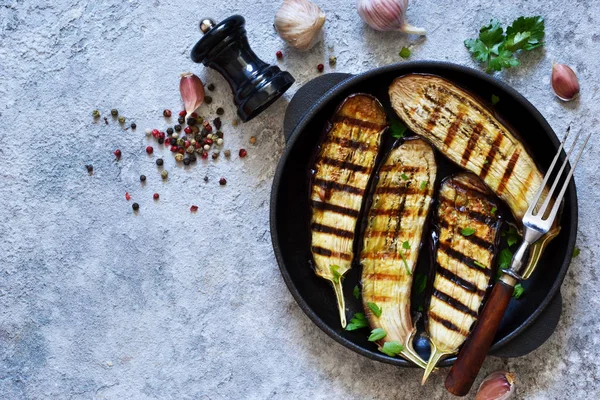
(564, 82)
(299, 23)
(499, 385)
(387, 15)
(192, 92)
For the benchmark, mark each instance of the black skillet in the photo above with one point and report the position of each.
(528, 322)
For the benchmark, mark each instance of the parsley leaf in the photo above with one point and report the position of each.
(356, 292)
(357, 322)
(405, 52)
(576, 252)
(404, 177)
(518, 291)
(420, 283)
(375, 309)
(377, 334)
(495, 99)
(526, 32)
(334, 271)
(423, 185)
(504, 259)
(408, 271)
(512, 235)
(397, 128)
(406, 245)
(392, 349)
(467, 231)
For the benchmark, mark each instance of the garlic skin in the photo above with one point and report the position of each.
(499, 385)
(564, 82)
(299, 23)
(387, 15)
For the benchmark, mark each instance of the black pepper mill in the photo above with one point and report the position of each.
(254, 83)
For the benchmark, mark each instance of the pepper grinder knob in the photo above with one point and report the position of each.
(254, 83)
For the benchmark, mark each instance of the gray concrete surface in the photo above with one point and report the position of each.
(97, 302)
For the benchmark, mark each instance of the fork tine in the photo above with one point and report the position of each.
(542, 209)
(567, 180)
(537, 196)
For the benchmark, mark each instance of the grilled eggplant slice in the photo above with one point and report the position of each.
(392, 240)
(467, 230)
(467, 133)
(342, 171)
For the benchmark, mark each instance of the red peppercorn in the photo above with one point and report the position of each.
(161, 135)
(243, 153)
(208, 141)
(205, 154)
(187, 130)
(149, 150)
(187, 144)
(167, 113)
(197, 145)
(181, 150)
(207, 126)
(222, 181)
(194, 208)
(127, 196)
(279, 54)
(320, 67)
(182, 113)
(156, 196)
(117, 153)
(194, 115)
(167, 141)
(173, 149)
(155, 132)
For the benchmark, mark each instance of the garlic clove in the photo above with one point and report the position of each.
(499, 385)
(299, 23)
(387, 15)
(564, 82)
(192, 92)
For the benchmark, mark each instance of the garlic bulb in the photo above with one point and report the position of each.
(299, 23)
(387, 15)
(564, 82)
(498, 385)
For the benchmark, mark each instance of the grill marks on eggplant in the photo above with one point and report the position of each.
(469, 135)
(397, 215)
(463, 263)
(342, 169)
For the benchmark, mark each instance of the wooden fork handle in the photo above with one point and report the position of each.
(471, 356)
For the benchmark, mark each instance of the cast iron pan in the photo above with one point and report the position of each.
(528, 322)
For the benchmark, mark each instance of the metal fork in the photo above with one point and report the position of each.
(538, 220)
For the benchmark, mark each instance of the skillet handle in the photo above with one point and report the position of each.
(473, 353)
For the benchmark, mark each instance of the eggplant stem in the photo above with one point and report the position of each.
(434, 358)
(339, 294)
(409, 352)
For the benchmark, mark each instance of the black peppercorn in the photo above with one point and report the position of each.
(143, 178)
(205, 178)
(169, 131)
(186, 161)
(193, 158)
(161, 140)
(198, 137)
(181, 120)
(222, 181)
(135, 206)
(114, 112)
(220, 135)
(220, 111)
(191, 121)
(159, 162)
(177, 128)
(210, 87)
(217, 122)
(133, 125)
(90, 168)
(207, 99)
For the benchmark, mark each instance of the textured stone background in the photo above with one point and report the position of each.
(97, 302)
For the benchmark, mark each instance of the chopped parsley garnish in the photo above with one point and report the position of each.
(375, 309)
(495, 99)
(356, 292)
(512, 235)
(357, 322)
(493, 210)
(423, 185)
(406, 245)
(480, 265)
(405, 52)
(504, 260)
(420, 308)
(334, 271)
(397, 128)
(496, 49)
(467, 231)
(420, 283)
(406, 264)
(576, 252)
(377, 334)
(485, 162)
(404, 177)
(518, 291)
(392, 349)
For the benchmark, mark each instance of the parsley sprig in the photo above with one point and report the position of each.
(497, 49)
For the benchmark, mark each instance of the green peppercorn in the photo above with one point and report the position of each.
(200, 120)
(177, 128)
(332, 60)
(179, 157)
(114, 112)
(186, 161)
(220, 111)
(210, 87)
(121, 120)
(143, 178)
(191, 121)
(190, 149)
(159, 162)
(133, 125)
(169, 131)
(164, 174)
(180, 142)
(96, 114)
(181, 120)
(90, 168)
(207, 99)
(135, 206)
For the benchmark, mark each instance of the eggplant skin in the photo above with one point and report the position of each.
(392, 239)
(342, 169)
(467, 133)
(463, 262)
